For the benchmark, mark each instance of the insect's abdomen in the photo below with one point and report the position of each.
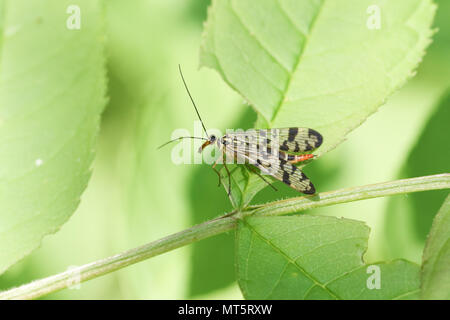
(294, 158)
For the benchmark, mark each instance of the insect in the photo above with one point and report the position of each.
(273, 152)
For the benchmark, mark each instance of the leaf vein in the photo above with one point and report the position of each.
(286, 256)
(299, 59)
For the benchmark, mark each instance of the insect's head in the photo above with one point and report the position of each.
(211, 140)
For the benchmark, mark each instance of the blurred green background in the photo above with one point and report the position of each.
(137, 195)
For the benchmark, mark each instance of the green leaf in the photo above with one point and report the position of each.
(399, 280)
(315, 257)
(315, 63)
(436, 257)
(52, 92)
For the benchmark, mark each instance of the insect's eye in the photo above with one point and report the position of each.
(212, 138)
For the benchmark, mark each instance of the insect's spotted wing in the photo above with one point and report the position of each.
(275, 166)
(297, 140)
(270, 149)
(287, 173)
(290, 140)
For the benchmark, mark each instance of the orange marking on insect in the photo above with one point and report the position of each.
(301, 158)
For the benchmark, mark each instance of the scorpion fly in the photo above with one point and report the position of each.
(273, 152)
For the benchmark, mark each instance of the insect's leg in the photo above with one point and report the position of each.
(217, 171)
(218, 174)
(215, 163)
(260, 175)
(301, 158)
(229, 174)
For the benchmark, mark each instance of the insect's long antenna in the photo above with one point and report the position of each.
(179, 138)
(195, 107)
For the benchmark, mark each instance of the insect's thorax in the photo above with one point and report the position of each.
(224, 141)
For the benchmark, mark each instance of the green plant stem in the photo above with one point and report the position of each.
(292, 205)
(101, 267)
(219, 225)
